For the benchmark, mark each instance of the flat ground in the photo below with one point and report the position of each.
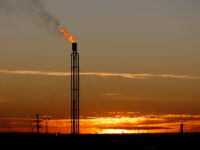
(188, 141)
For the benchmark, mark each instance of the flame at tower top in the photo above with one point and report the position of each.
(69, 37)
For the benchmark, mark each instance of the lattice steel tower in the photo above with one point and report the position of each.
(74, 90)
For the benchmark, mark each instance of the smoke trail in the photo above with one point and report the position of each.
(35, 9)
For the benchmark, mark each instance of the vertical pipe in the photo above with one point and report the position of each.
(71, 93)
(74, 90)
(78, 105)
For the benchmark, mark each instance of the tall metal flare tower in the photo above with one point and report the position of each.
(74, 90)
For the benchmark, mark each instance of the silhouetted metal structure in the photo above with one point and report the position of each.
(46, 118)
(74, 90)
(38, 123)
(181, 128)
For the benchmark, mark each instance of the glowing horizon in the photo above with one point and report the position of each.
(132, 124)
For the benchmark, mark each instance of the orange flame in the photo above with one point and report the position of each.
(67, 35)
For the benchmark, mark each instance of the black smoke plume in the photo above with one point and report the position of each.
(35, 9)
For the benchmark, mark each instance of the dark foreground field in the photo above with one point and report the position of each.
(137, 141)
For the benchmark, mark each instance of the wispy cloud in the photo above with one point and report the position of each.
(112, 94)
(101, 74)
(33, 72)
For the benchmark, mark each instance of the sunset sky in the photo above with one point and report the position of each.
(139, 63)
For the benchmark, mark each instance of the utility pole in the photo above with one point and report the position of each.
(46, 118)
(38, 123)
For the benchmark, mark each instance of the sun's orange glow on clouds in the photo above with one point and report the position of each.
(119, 123)
(101, 74)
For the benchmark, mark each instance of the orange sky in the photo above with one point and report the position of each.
(117, 122)
(135, 57)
